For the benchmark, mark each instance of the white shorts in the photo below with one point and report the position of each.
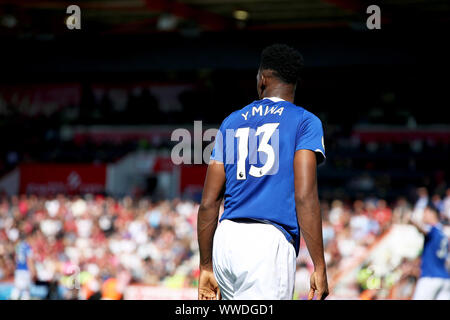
(253, 261)
(432, 289)
(22, 279)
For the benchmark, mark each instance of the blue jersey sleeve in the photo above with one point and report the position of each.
(29, 251)
(217, 152)
(310, 136)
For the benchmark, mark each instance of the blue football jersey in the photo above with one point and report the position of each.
(434, 254)
(23, 251)
(257, 146)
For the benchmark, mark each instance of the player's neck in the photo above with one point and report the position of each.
(279, 92)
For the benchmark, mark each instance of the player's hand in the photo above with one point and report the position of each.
(208, 289)
(318, 284)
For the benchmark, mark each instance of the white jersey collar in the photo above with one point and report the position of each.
(274, 99)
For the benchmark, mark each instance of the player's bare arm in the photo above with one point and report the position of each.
(208, 214)
(418, 226)
(309, 218)
(32, 267)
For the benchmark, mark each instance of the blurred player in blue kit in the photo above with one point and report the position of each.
(434, 281)
(264, 166)
(24, 273)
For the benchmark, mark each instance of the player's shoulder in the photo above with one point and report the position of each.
(309, 116)
(302, 116)
(432, 231)
(231, 117)
(24, 246)
(303, 112)
(438, 229)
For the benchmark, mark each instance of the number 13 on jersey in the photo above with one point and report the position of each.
(267, 130)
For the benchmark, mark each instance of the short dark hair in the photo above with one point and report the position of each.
(286, 62)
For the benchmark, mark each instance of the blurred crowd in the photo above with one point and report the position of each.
(100, 244)
(110, 243)
(350, 229)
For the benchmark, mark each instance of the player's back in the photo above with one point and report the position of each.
(257, 148)
(435, 253)
(23, 251)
